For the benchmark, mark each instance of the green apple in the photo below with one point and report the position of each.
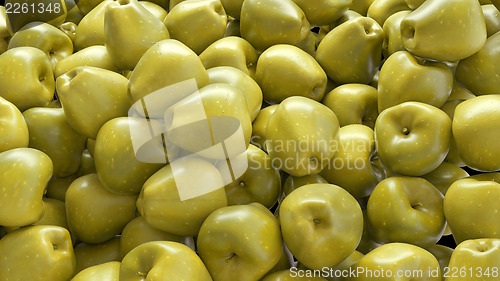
(26, 78)
(283, 264)
(309, 44)
(87, 5)
(138, 232)
(272, 22)
(445, 175)
(353, 104)
(96, 56)
(381, 10)
(54, 213)
(235, 77)
(491, 18)
(232, 28)
(352, 167)
(259, 126)
(392, 33)
(69, 28)
(321, 12)
(302, 136)
(163, 261)
(284, 71)
(108, 271)
(233, 7)
(444, 31)
(428, 82)
(165, 57)
(92, 96)
(4, 31)
(25, 174)
(471, 207)
(169, 184)
(51, 40)
(88, 255)
(390, 261)
(324, 217)
(343, 268)
(90, 31)
(141, 25)
(188, 20)
(37, 253)
(13, 128)
(50, 132)
(260, 183)
(478, 73)
(351, 52)
(156, 9)
(477, 259)
(117, 166)
(412, 138)
(231, 51)
(56, 187)
(292, 182)
(361, 6)
(74, 14)
(240, 242)
(476, 125)
(406, 209)
(96, 215)
(367, 243)
(87, 165)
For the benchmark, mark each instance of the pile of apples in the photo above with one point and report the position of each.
(359, 120)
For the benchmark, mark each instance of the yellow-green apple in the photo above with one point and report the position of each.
(231, 51)
(26, 78)
(412, 138)
(13, 128)
(95, 214)
(91, 96)
(352, 167)
(163, 261)
(50, 132)
(88, 255)
(161, 204)
(302, 136)
(406, 209)
(396, 261)
(353, 104)
(138, 232)
(260, 183)
(37, 253)
(476, 124)
(240, 242)
(108, 271)
(471, 207)
(24, 175)
(52, 41)
(127, 45)
(476, 259)
(326, 218)
(403, 78)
